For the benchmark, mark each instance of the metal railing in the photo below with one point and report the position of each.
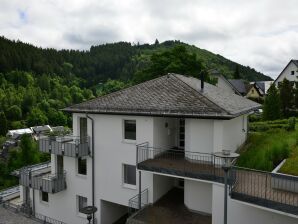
(46, 220)
(180, 163)
(271, 190)
(26, 211)
(43, 180)
(133, 203)
(72, 146)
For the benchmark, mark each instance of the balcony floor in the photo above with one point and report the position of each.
(170, 209)
(180, 166)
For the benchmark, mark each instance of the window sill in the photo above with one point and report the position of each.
(128, 141)
(44, 203)
(82, 176)
(129, 186)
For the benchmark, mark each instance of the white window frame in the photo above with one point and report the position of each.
(131, 141)
(78, 205)
(77, 167)
(126, 185)
(41, 200)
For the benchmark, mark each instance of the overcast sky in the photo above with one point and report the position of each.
(260, 33)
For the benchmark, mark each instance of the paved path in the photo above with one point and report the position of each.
(9, 217)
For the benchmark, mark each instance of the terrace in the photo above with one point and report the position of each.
(169, 209)
(261, 188)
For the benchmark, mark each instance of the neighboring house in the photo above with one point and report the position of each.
(258, 90)
(41, 130)
(255, 92)
(239, 85)
(236, 86)
(151, 147)
(290, 72)
(15, 134)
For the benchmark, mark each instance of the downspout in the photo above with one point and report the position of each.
(92, 156)
(33, 202)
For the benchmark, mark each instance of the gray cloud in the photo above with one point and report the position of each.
(261, 34)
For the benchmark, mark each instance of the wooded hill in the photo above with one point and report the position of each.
(108, 61)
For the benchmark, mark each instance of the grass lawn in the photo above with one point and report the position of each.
(265, 150)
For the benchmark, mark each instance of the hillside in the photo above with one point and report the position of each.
(109, 61)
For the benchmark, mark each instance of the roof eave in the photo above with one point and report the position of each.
(165, 114)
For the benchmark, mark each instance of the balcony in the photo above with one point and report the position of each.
(42, 179)
(271, 190)
(180, 163)
(72, 146)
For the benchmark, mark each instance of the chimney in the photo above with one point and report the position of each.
(202, 82)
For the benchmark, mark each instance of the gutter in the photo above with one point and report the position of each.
(92, 156)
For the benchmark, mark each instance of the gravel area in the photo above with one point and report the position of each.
(10, 217)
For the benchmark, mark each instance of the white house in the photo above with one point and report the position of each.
(290, 72)
(155, 140)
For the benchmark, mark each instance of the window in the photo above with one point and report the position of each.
(82, 166)
(292, 72)
(83, 129)
(129, 173)
(130, 129)
(82, 203)
(252, 91)
(44, 196)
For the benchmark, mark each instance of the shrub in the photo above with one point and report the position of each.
(291, 124)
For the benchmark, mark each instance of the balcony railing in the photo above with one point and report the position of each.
(43, 180)
(271, 190)
(182, 163)
(134, 202)
(72, 146)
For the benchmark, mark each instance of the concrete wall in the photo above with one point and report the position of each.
(287, 73)
(161, 185)
(164, 132)
(235, 133)
(198, 196)
(239, 212)
(111, 212)
(199, 135)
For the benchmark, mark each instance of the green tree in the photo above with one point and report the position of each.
(14, 113)
(29, 153)
(272, 107)
(3, 124)
(176, 60)
(57, 118)
(36, 117)
(28, 102)
(237, 72)
(286, 92)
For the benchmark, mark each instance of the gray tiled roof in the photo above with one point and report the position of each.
(239, 85)
(169, 95)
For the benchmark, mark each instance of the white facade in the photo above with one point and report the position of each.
(290, 73)
(112, 152)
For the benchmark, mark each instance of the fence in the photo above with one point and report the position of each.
(72, 146)
(264, 189)
(46, 182)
